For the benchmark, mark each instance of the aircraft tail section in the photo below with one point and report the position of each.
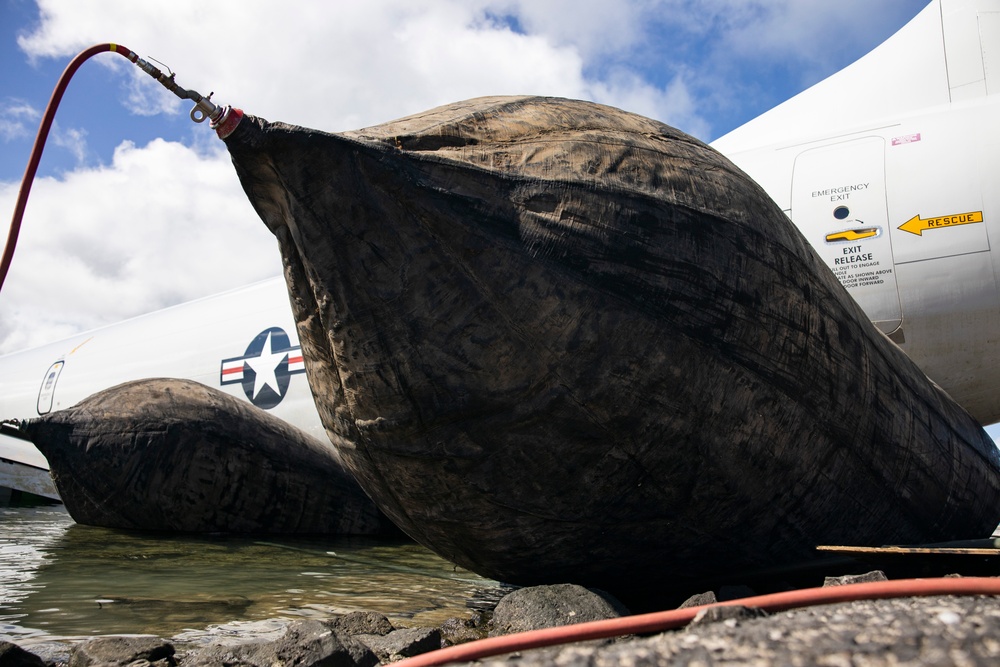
(949, 52)
(971, 36)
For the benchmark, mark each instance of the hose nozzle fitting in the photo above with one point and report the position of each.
(203, 106)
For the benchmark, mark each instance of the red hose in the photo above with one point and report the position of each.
(667, 620)
(36, 150)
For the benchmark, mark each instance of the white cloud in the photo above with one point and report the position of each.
(327, 65)
(146, 97)
(595, 28)
(15, 118)
(72, 139)
(160, 225)
(674, 106)
(339, 66)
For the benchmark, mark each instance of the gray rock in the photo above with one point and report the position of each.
(403, 643)
(730, 614)
(549, 606)
(122, 651)
(708, 597)
(52, 651)
(305, 644)
(362, 623)
(459, 631)
(874, 575)
(12, 655)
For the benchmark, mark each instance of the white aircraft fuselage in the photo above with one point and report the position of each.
(887, 167)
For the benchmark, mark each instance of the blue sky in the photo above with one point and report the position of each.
(138, 208)
(710, 66)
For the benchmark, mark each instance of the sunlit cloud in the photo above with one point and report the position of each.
(17, 119)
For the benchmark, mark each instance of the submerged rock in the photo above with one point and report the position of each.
(176, 455)
(555, 341)
(151, 651)
(12, 655)
(306, 643)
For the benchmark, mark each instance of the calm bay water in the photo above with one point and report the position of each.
(61, 580)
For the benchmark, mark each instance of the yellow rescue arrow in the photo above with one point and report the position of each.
(917, 225)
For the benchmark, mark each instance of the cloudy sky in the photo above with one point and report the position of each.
(137, 208)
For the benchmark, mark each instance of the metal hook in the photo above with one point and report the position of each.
(203, 109)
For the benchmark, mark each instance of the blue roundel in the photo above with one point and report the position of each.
(264, 371)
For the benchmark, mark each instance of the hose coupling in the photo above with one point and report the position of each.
(203, 106)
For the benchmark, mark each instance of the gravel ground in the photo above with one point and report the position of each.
(906, 631)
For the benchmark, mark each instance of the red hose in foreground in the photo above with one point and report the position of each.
(675, 618)
(36, 150)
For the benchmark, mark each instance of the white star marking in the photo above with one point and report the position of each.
(264, 366)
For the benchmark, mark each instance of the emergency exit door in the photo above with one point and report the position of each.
(839, 204)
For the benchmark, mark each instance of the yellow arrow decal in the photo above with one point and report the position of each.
(853, 234)
(917, 225)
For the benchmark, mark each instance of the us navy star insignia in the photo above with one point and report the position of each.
(264, 370)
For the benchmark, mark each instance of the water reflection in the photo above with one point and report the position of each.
(61, 579)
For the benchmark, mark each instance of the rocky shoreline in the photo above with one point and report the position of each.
(937, 630)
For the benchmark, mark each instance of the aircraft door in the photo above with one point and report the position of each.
(839, 204)
(47, 393)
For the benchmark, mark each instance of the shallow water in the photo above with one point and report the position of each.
(61, 580)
